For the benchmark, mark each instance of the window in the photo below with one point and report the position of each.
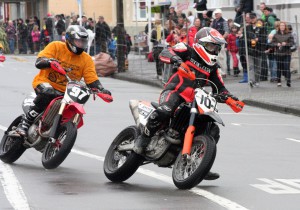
(141, 8)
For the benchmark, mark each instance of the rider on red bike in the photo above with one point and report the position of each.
(49, 83)
(201, 58)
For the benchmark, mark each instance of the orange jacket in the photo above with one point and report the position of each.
(82, 66)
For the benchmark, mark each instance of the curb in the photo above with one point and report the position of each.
(124, 76)
(249, 102)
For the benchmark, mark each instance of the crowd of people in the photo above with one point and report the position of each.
(270, 41)
(32, 35)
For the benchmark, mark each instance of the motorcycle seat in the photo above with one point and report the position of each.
(155, 104)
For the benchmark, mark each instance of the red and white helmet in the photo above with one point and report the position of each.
(207, 44)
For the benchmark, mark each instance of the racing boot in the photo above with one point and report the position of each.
(212, 176)
(150, 129)
(26, 122)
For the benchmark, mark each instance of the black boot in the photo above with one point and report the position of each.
(141, 143)
(24, 125)
(212, 176)
(27, 121)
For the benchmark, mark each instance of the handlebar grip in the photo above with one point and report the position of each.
(105, 97)
(236, 106)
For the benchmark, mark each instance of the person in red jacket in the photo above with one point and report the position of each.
(193, 30)
(233, 49)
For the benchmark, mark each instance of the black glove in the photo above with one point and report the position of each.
(103, 90)
(97, 87)
(176, 60)
(222, 97)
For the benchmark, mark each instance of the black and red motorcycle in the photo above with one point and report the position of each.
(187, 142)
(54, 131)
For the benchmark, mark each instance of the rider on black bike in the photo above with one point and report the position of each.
(48, 83)
(202, 60)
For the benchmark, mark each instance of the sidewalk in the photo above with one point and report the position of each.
(267, 96)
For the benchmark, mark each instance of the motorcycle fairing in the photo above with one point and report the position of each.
(207, 105)
(145, 109)
(72, 109)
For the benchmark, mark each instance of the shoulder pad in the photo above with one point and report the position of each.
(180, 47)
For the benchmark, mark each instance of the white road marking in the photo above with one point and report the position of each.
(237, 124)
(11, 186)
(267, 124)
(274, 187)
(228, 204)
(296, 140)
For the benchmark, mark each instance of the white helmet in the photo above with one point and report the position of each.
(207, 44)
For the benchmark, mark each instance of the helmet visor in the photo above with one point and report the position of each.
(211, 47)
(81, 43)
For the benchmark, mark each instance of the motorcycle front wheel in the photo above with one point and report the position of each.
(55, 153)
(189, 173)
(121, 165)
(11, 148)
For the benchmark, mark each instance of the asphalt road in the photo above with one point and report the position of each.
(258, 159)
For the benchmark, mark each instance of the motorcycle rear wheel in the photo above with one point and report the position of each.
(11, 148)
(203, 153)
(119, 166)
(55, 153)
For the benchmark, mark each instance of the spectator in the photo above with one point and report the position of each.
(200, 6)
(45, 37)
(271, 53)
(244, 6)
(256, 46)
(60, 27)
(282, 41)
(49, 26)
(84, 21)
(221, 25)
(128, 43)
(90, 25)
(173, 38)
(233, 49)
(74, 20)
(270, 19)
(37, 22)
(263, 48)
(147, 28)
(112, 46)
(158, 32)
(35, 34)
(180, 14)
(103, 33)
(11, 36)
(242, 53)
(191, 17)
(206, 21)
(30, 26)
(262, 7)
(22, 33)
(171, 15)
(193, 30)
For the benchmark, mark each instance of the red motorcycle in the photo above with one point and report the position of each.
(54, 131)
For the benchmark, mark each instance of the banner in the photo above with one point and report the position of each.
(183, 4)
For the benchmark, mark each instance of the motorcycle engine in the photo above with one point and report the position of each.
(157, 147)
(33, 137)
(33, 134)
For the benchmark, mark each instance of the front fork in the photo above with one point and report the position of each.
(189, 134)
(56, 122)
